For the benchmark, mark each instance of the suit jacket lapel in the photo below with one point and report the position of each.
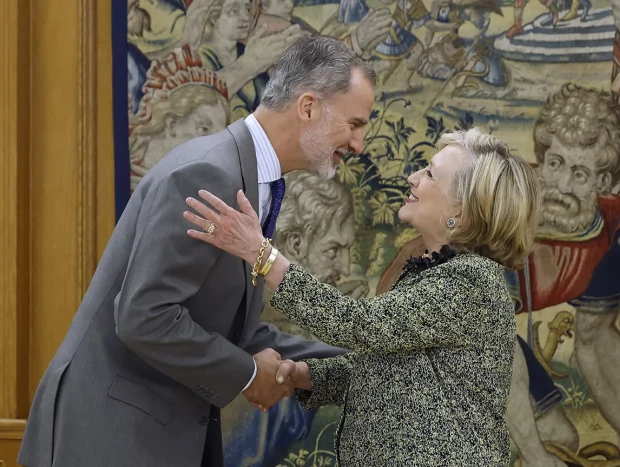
(249, 172)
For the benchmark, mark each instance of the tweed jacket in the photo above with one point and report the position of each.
(428, 379)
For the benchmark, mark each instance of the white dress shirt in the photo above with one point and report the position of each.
(267, 163)
(269, 170)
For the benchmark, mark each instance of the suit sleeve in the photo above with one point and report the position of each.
(429, 313)
(167, 267)
(289, 347)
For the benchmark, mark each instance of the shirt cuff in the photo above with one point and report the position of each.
(252, 378)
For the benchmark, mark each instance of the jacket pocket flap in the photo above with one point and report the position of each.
(142, 398)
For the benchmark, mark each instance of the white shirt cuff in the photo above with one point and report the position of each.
(251, 379)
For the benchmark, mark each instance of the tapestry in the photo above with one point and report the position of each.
(542, 75)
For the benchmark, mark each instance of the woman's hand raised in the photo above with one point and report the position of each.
(299, 372)
(237, 233)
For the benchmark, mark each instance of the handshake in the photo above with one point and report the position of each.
(275, 378)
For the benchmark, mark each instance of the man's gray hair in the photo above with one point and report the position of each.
(321, 65)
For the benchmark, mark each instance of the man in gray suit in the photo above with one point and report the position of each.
(168, 332)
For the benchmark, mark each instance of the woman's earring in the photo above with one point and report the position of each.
(451, 222)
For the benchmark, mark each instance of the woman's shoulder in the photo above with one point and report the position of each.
(474, 261)
(471, 269)
(477, 283)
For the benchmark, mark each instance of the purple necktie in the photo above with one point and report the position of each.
(277, 194)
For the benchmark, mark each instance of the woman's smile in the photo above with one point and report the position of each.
(412, 198)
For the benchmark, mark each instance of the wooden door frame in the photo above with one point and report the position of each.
(90, 223)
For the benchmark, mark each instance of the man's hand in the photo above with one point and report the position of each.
(264, 392)
(298, 373)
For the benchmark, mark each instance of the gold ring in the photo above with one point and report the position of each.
(211, 229)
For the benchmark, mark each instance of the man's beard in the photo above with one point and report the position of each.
(316, 147)
(565, 212)
(138, 21)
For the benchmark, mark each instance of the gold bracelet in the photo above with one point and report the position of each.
(263, 246)
(267, 267)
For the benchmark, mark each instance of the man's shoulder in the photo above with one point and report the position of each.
(218, 150)
(211, 149)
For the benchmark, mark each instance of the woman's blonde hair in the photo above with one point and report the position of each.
(499, 195)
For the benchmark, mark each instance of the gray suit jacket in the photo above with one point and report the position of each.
(147, 352)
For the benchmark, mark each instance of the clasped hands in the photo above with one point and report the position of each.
(275, 378)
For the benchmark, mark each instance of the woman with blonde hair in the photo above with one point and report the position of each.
(428, 379)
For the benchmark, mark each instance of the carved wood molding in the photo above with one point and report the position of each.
(8, 174)
(17, 288)
(8, 190)
(12, 429)
(14, 184)
(87, 144)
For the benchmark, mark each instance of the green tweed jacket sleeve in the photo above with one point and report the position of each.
(435, 308)
(330, 380)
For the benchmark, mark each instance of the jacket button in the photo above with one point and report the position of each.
(204, 420)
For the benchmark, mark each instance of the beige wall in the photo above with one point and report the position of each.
(56, 184)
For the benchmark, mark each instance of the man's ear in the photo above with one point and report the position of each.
(604, 182)
(296, 245)
(308, 108)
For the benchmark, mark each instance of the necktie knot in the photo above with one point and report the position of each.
(277, 195)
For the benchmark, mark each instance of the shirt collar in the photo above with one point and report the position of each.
(267, 162)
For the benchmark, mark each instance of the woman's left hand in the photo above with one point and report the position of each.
(237, 233)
